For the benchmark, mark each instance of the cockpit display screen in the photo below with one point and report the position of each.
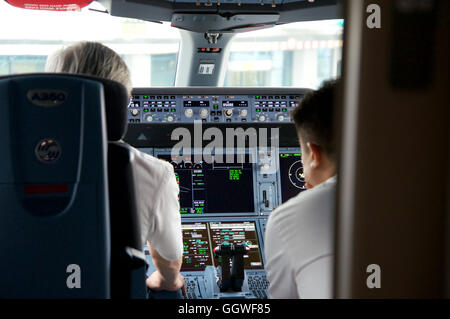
(215, 187)
(195, 103)
(242, 233)
(291, 175)
(196, 247)
(200, 239)
(231, 104)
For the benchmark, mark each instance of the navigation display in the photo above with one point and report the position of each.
(214, 188)
(291, 175)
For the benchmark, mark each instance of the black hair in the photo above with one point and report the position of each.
(314, 117)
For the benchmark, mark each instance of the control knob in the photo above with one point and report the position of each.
(198, 166)
(134, 112)
(203, 113)
(243, 113)
(170, 118)
(262, 118)
(228, 112)
(188, 113)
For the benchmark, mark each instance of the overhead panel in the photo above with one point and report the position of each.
(164, 10)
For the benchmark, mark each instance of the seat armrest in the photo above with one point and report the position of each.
(137, 257)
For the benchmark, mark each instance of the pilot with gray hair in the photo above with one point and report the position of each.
(157, 186)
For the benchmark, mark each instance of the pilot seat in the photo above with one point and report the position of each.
(65, 232)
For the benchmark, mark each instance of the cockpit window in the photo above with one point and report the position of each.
(302, 54)
(28, 37)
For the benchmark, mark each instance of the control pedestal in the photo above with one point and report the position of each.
(231, 279)
(203, 284)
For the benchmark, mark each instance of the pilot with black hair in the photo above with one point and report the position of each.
(299, 234)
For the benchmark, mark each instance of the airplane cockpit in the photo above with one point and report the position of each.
(215, 84)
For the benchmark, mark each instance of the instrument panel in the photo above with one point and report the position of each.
(223, 199)
(253, 184)
(218, 105)
(223, 203)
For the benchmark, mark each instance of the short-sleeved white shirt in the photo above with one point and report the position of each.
(159, 209)
(299, 245)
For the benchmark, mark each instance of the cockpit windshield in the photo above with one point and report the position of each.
(269, 57)
(312, 49)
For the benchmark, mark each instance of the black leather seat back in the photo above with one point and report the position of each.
(127, 273)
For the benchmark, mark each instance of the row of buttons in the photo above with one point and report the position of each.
(135, 112)
(157, 97)
(160, 104)
(271, 110)
(284, 103)
(160, 110)
(190, 288)
(280, 118)
(216, 119)
(205, 112)
(215, 106)
(277, 97)
(149, 118)
(258, 285)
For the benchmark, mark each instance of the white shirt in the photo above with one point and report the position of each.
(299, 245)
(159, 210)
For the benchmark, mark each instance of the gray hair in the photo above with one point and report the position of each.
(90, 58)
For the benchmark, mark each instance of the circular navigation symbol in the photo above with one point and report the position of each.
(296, 176)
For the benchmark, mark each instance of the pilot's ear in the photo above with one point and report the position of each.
(316, 154)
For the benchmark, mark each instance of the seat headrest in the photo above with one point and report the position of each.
(116, 102)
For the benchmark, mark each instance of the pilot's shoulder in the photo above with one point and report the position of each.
(308, 205)
(151, 165)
